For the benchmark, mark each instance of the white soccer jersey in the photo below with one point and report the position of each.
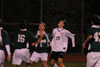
(60, 40)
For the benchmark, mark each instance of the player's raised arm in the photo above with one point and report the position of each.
(72, 36)
(53, 32)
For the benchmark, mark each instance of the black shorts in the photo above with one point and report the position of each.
(56, 55)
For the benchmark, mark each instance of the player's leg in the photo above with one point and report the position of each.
(13, 65)
(53, 57)
(60, 59)
(16, 64)
(16, 60)
(92, 59)
(26, 57)
(44, 63)
(98, 62)
(2, 58)
(31, 62)
(34, 58)
(95, 60)
(52, 62)
(44, 59)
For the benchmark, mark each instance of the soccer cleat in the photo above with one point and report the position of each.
(62, 65)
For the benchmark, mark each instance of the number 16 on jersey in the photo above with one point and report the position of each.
(21, 38)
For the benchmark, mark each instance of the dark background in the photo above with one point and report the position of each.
(77, 12)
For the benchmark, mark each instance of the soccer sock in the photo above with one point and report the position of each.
(62, 65)
(55, 65)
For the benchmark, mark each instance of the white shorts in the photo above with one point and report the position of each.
(93, 59)
(39, 56)
(2, 58)
(21, 55)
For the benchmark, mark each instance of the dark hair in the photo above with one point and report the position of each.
(62, 19)
(22, 24)
(96, 20)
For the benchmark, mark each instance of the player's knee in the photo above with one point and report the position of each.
(31, 62)
(60, 61)
(45, 65)
(52, 64)
(14, 65)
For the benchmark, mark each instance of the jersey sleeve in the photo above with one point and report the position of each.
(89, 32)
(70, 35)
(53, 33)
(31, 37)
(6, 40)
(48, 39)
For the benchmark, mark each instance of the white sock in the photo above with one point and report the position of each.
(55, 65)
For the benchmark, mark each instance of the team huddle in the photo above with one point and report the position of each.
(41, 42)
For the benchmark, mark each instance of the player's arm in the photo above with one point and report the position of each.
(87, 39)
(7, 45)
(52, 38)
(31, 39)
(72, 36)
(48, 43)
(9, 53)
(53, 33)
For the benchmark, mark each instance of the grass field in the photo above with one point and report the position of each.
(67, 64)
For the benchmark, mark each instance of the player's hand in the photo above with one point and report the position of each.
(9, 58)
(84, 45)
(12, 43)
(33, 44)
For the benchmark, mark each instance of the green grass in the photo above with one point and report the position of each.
(39, 64)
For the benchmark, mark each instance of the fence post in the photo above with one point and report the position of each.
(82, 33)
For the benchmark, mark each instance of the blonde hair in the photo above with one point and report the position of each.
(41, 22)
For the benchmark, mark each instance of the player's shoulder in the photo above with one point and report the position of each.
(55, 29)
(47, 34)
(65, 30)
(93, 28)
(29, 32)
(4, 31)
(89, 29)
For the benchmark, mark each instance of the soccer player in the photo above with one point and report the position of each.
(4, 43)
(93, 38)
(41, 51)
(59, 43)
(22, 40)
